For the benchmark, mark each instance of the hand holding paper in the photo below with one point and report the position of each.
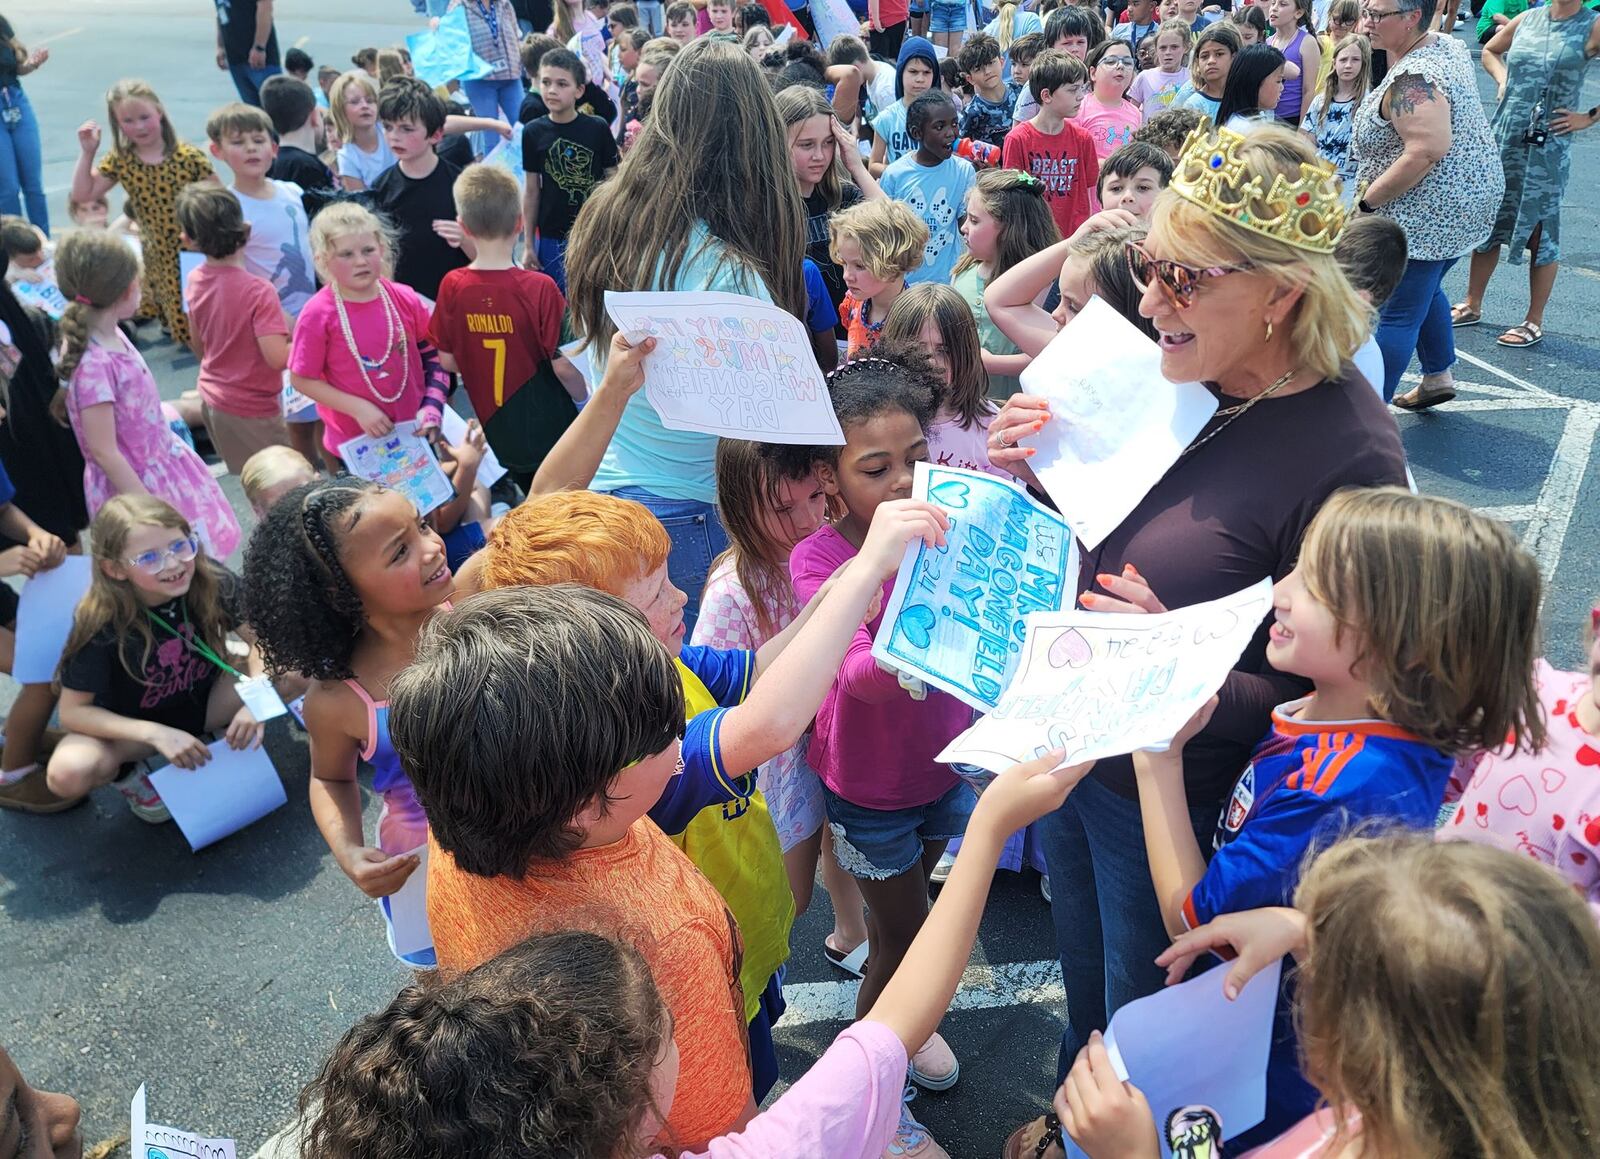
(1102, 1113)
(1255, 938)
(1023, 793)
(897, 525)
(235, 788)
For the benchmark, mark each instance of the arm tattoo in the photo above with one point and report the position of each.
(1409, 92)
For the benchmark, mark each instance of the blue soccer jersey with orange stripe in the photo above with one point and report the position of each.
(1307, 783)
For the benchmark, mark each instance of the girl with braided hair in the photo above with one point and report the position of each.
(340, 576)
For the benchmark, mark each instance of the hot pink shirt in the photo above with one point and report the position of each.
(1110, 126)
(1545, 804)
(848, 1103)
(873, 744)
(320, 351)
(229, 308)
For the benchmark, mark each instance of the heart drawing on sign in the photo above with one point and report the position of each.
(951, 493)
(1070, 650)
(916, 624)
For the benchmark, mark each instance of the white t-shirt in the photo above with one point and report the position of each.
(353, 162)
(1369, 364)
(279, 248)
(880, 89)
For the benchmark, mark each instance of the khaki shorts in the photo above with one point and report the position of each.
(236, 437)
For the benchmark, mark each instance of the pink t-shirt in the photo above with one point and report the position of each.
(1309, 1138)
(1545, 804)
(320, 351)
(1153, 90)
(229, 308)
(873, 744)
(952, 445)
(1110, 126)
(847, 1104)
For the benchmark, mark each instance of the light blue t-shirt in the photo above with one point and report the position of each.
(1189, 97)
(1022, 23)
(643, 453)
(938, 196)
(890, 125)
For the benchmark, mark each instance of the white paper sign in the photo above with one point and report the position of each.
(507, 154)
(729, 365)
(293, 401)
(955, 617)
(1101, 684)
(407, 910)
(577, 353)
(44, 618)
(1116, 426)
(235, 788)
(454, 429)
(1154, 1043)
(43, 294)
(402, 460)
(153, 1141)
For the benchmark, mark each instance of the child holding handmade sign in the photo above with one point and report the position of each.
(144, 672)
(1396, 696)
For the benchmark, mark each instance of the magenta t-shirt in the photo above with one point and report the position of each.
(847, 1104)
(873, 744)
(320, 351)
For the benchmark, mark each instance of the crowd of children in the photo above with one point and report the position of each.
(622, 710)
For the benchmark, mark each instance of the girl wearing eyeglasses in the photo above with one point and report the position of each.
(1106, 112)
(146, 671)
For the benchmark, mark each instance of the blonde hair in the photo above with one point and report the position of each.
(798, 104)
(114, 604)
(488, 201)
(1448, 997)
(1180, 27)
(272, 467)
(1330, 87)
(891, 237)
(1330, 321)
(343, 218)
(94, 268)
(338, 94)
(1443, 604)
(1007, 17)
(133, 89)
(967, 396)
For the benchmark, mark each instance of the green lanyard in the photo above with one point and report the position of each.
(199, 647)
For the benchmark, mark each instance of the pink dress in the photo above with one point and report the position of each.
(165, 464)
(1545, 804)
(728, 621)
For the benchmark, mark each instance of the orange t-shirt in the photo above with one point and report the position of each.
(644, 887)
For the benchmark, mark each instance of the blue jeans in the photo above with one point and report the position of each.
(650, 16)
(1416, 317)
(249, 80)
(553, 260)
(489, 95)
(697, 538)
(21, 172)
(1108, 923)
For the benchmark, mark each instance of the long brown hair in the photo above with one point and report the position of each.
(748, 475)
(1023, 221)
(94, 268)
(1330, 87)
(799, 103)
(113, 604)
(968, 393)
(134, 89)
(712, 151)
(1448, 996)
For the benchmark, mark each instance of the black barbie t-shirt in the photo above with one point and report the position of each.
(176, 680)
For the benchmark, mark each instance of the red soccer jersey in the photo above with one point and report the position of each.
(499, 325)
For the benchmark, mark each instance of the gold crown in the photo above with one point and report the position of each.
(1308, 214)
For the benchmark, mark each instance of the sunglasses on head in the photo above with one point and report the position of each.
(1180, 281)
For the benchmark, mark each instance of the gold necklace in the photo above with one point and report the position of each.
(1235, 412)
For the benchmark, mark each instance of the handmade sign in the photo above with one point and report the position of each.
(507, 154)
(235, 788)
(402, 460)
(729, 365)
(293, 401)
(42, 293)
(1100, 684)
(188, 263)
(1116, 424)
(445, 53)
(955, 617)
(44, 618)
(833, 19)
(153, 1141)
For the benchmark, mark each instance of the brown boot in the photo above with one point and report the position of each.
(32, 795)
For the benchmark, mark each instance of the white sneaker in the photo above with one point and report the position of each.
(1044, 887)
(143, 800)
(911, 1139)
(941, 871)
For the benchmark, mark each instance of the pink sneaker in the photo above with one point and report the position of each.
(911, 1139)
(143, 800)
(934, 1067)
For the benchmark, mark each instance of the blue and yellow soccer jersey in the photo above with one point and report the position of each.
(1309, 782)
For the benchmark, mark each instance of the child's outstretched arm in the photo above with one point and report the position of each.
(89, 184)
(460, 463)
(1176, 862)
(576, 456)
(99, 425)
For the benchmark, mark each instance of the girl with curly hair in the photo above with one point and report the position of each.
(339, 578)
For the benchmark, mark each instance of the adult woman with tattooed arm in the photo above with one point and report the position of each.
(1428, 161)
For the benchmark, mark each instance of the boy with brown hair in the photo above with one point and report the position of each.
(1052, 146)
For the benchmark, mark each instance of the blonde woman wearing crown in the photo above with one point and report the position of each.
(1247, 298)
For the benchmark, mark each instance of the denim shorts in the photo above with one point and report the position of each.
(877, 844)
(947, 17)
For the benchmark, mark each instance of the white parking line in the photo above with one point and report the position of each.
(1546, 533)
(982, 988)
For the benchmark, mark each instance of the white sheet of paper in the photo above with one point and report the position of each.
(729, 365)
(44, 618)
(1155, 1043)
(293, 401)
(261, 698)
(507, 154)
(1100, 684)
(235, 788)
(402, 460)
(188, 263)
(955, 617)
(577, 353)
(153, 1141)
(1116, 424)
(454, 429)
(407, 910)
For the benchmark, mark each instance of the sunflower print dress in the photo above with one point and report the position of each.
(152, 201)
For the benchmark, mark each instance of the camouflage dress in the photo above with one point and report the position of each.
(1546, 63)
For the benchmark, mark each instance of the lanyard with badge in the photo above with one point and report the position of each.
(257, 692)
(490, 12)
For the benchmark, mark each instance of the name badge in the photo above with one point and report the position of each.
(261, 698)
